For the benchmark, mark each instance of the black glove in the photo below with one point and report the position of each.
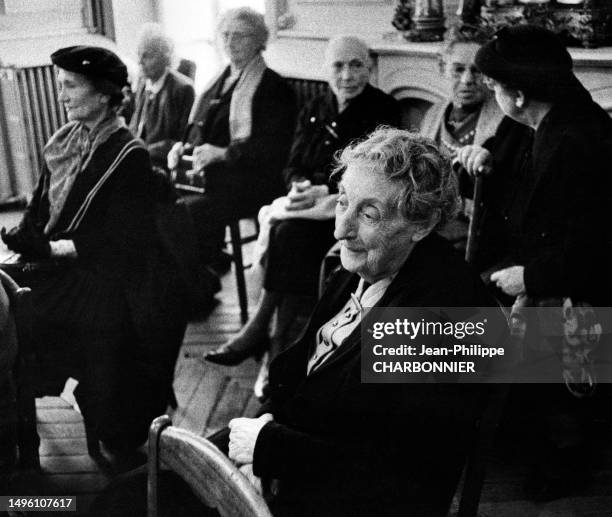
(27, 239)
(13, 239)
(37, 243)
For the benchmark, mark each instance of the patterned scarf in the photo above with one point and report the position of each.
(454, 135)
(67, 153)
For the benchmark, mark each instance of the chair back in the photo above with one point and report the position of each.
(329, 264)
(187, 67)
(21, 310)
(210, 474)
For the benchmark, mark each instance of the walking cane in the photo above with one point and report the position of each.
(472, 239)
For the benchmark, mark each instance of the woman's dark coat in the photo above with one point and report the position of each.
(250, 176)
(547, 202)
(120, 304)
(321, 131)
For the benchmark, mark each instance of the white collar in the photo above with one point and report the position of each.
(154, 87)
(372, 295)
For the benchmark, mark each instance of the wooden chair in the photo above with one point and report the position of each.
(329, 264)
(209, 473)
(187, 67)
(237, 241)
(481, 447)
(21, 309)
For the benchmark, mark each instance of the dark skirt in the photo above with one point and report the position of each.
(84, 328)
(297, 247)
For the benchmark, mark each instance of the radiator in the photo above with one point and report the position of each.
(307, 89)
(31, 115)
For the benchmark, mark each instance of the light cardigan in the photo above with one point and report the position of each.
(488, 120)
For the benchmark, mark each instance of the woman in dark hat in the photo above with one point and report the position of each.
(545, 239)
(92, 216)
(550, 162)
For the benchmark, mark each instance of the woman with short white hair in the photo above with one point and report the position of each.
(239, 134)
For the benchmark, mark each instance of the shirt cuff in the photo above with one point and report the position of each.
(64, 248)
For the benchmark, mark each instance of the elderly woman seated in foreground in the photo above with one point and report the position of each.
(339, 446)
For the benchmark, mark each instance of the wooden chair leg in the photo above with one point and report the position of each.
(28, 440)
(28, 443)
(239, 269)
(93, 443)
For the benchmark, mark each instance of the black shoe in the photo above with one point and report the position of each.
(227, 356)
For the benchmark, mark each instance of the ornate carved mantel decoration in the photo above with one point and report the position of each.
(420, 20)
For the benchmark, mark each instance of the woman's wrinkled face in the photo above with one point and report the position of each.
(466, 85)
(81, 100)
(375, 237)
(239, 42)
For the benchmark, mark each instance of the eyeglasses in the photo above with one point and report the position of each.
(237, 36)
(458, 69)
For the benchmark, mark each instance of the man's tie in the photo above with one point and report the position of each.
(144, 114)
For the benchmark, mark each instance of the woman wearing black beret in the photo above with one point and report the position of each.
(92, 215)
(545, 237)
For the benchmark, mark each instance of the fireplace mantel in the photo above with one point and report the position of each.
(407, 69)
(410, 70)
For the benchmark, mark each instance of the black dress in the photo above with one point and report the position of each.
(113, 317)
(297, 246)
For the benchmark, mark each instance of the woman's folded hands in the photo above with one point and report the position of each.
(303, 195)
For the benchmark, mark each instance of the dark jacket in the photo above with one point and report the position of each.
(121, 302)
(111, 239)
(342, 447)
(121, 261)
(252, 170)
(547, 201)
(321, 131)
(166, 115)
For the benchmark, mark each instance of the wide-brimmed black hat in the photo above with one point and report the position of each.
(532, 59)
(92, 62)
